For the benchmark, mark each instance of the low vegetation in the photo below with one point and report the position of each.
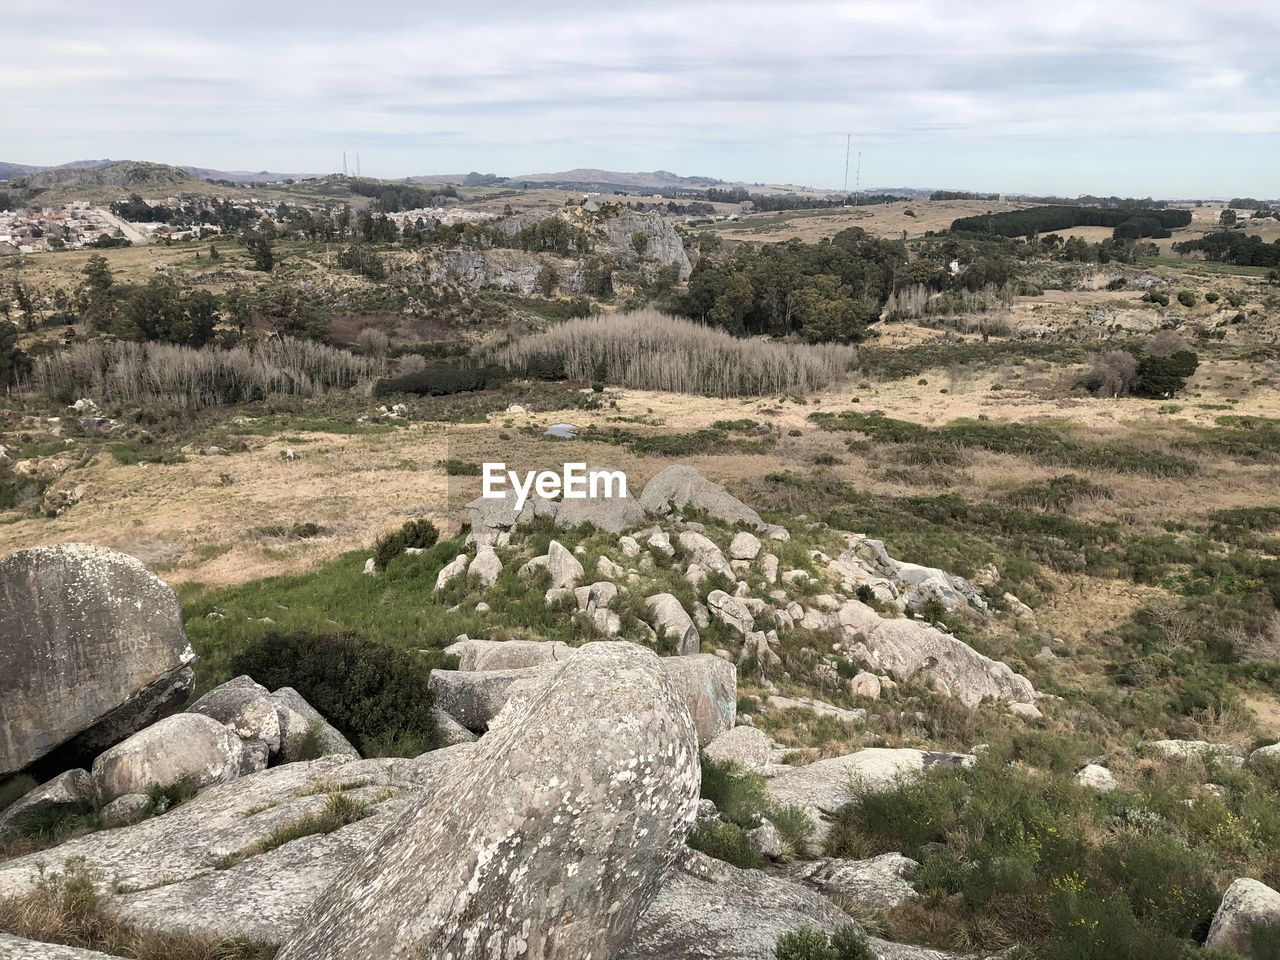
(648, 350)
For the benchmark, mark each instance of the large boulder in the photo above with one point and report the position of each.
(246, 708)
(667, 615)
(708, 687)
(732, 611)
(15, 948)
(609, 513)
(70, 792)
(304, 733)
(475, 697)
(564, 567)
(1246, 904)
(185, 748)
(548, 840)
(911, 650)
(506, 654)
(91, 650)
(678, 487)
(487, 566)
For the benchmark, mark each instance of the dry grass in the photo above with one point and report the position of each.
(66, 908)
(649, 350)
(134, 373)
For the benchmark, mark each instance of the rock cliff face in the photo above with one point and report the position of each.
(514, 271)
(548, 840)
(91, 649)
(662, 244)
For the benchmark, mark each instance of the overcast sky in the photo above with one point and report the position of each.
(1172, 98)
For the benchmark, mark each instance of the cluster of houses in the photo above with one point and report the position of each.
(69, 227)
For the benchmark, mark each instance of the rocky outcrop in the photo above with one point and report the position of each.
(1246, 904)
(91, 650)
(866, 562)
(911, 650)
(710, 910)
(475, 697)
(515, 271)
(678, 487)
(246, 708)
(708, 687)
(880, 883)
(548, 839)
(662, 244)
(612, 514)
(185, 748)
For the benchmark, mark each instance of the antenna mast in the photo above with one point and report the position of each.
(357, 164)
(848, 142)
(344, 163)
(857, 183)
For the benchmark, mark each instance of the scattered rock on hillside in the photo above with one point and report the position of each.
(1247, 903)
(563, 566)
(1265, 755)
(123, 811)
(669, 616)
(705, 553)
(731, 611)
(486, 567)
(908, 649)
(599, 765)
(744, 546)
(69, 792)
(678, 487)
(455, 568)
(304, 733)
(824, 786)
(91, 650)
(1227, 753)
(821, 708)
(880, 883)
(1096, 777)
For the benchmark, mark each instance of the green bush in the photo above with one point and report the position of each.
(808, 943)
(376, 695)
(420, 534)
(440, 379)
(725, 841)
(1187, 298)
(742, 798)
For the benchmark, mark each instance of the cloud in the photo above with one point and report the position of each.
(750, 89)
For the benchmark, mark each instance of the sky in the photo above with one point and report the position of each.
(1176, 98)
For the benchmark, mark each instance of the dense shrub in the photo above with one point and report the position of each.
(376, 695)
(438, 379)
(421, 533)
(725, 841)
(1128, 223)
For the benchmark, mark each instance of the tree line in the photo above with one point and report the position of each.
(1128, 223)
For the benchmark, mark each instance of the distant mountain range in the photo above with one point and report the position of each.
(10, 170)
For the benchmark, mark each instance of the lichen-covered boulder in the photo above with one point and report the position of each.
(1246, 904)
(881, 883)
(187, 747)
(703, 551)
(72, 792)
(908, 649)
(304, 733)
(548, 840)
(91, 650)
(682, 486)
(245, 707)
(474, 697)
